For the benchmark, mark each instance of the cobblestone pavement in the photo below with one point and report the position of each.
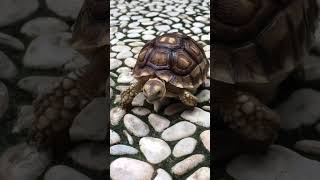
(160, 140)
(34, 53)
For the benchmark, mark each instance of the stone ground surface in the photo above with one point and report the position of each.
(34, 53)
(161, 140)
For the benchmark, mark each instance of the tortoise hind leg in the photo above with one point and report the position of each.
(251, 119)
(188, 98)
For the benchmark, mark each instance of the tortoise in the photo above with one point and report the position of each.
(171, 65)
(258, 44)
(54, 111)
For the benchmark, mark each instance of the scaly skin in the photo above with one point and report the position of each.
(54, 112)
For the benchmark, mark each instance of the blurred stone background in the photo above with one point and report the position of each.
(34, 53)
(296, 153)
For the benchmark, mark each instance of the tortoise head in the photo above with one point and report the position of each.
(154, 89)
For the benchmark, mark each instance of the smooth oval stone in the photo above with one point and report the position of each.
(116, 115)
(121, 149)
(91, 122)
(197, 116)
(202, 173)
(277, 163)
(184, 147)
(62, 172)
(141, 111)
(301, 108)
(187, 164)
(23, 162)
(24, 120)
(159, 123)
(128, 168)
(135, 125)
(42, 52)
(37, 84)
(162, 175)
(203, 96)
(43, 25)
(308, 146)
(11, 41)
(7, 69)
(154, 149)
(205, 138)
(178, 131)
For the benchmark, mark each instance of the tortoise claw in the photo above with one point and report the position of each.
(188, 99)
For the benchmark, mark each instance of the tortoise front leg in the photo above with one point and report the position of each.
(188, 98)
(248, 117)
(128, 95)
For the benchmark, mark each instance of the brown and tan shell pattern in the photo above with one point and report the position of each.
(174, 58)
(54, 111)
(260, 39)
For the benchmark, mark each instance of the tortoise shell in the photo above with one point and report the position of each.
(175, 58)
(256, 41)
